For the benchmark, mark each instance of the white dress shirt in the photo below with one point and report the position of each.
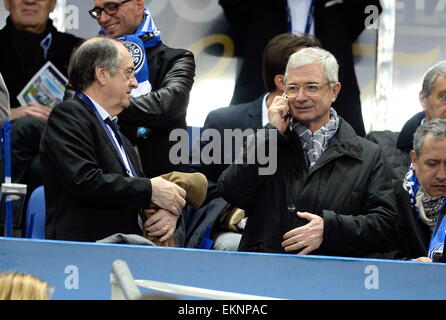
(104, 115)
(299, 14)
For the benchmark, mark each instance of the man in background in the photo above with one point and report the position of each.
(165, 76)
(432, 98)
(398, 145)
(421, 195)
(94, 187)
(28, 41)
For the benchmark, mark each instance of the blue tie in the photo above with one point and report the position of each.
(115, 127)
(113, 124)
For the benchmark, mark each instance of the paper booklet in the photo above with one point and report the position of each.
(47, 87)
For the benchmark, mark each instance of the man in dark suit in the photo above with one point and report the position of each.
(337, 24)
(93, 184)
(157, 111)
(433, 100)
(253, 114)
(250, 115)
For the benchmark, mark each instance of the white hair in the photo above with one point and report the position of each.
(314, 55)
(431, 75)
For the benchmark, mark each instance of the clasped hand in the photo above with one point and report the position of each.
(161, 223)
(167, 195)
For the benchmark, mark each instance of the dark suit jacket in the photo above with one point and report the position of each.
(162, 110)
(336, 26)
(243, 116)
(87, 192)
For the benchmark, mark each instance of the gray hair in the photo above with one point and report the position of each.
(313, 55)
(437, 130)
(431, 75)
(97, 52)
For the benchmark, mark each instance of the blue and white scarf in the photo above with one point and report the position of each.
(412, 186)
(146, 36)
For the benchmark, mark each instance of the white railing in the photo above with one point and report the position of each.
(124, 287)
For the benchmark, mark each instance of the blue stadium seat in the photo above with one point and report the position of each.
(35, 215)
(5, 156)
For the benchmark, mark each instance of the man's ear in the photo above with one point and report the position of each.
(101, 75)
(279, 82)
(140, 6)
(336, 88)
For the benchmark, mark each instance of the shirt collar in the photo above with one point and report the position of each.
(102, 112)
(265, 111)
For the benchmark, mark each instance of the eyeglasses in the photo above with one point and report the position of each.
(110, 9)
(130, 73)
(309, 89)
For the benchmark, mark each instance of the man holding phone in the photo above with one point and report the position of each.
(331, 193)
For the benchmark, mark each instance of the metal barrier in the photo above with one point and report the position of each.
(123, 286)
(81, 271)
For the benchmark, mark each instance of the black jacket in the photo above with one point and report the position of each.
(88, 194)
(413, 235)
(405, 138)
(172, 74)
(397, 159)
(241, 116)
(21, 55)
(349, 186)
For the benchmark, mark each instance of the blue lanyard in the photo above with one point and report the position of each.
(310, 18)
(46, 44)
(90, 104)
